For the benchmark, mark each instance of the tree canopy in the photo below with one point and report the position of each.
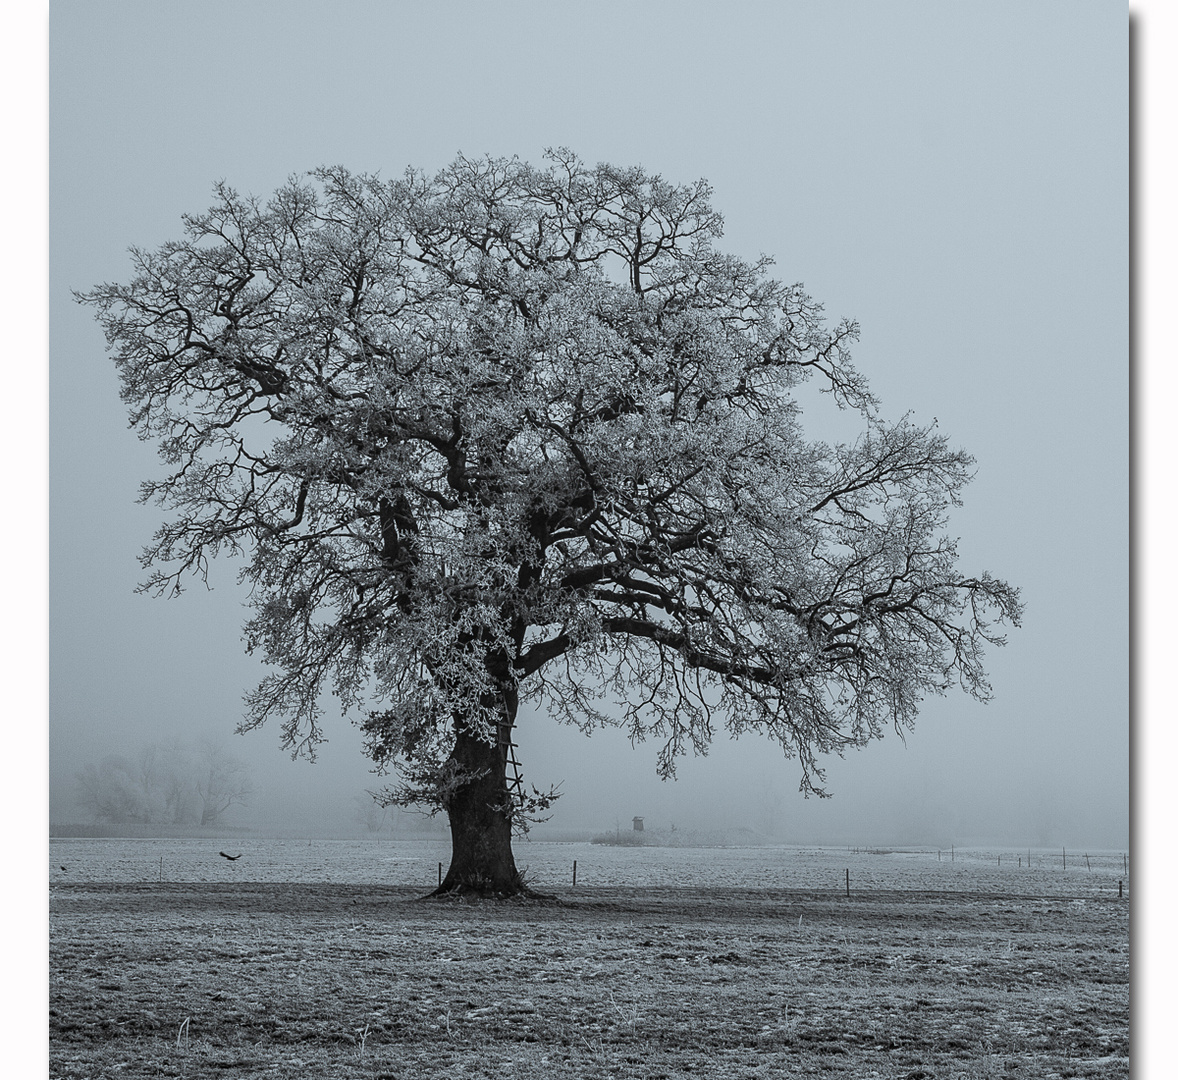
(516, 433)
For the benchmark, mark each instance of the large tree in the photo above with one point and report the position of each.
(517, 433)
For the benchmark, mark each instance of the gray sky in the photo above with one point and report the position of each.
(953, 176)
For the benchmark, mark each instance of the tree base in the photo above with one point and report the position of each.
(484, 888)
(470, 892)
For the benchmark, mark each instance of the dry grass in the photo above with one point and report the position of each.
(337, 980)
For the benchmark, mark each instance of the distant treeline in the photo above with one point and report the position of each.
(166, 784)
(731, 836)
(134, 830)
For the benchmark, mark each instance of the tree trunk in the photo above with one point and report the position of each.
(481, 859)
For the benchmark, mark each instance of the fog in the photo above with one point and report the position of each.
(954, 177)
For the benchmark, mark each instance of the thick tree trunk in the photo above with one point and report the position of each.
(481, 858)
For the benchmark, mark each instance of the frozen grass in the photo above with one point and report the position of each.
(548, 866)
(919, 976)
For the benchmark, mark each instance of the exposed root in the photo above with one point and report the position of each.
(483, 889)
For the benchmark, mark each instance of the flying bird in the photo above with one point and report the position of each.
(231, 858)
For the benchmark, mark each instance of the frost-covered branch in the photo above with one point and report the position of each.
(513, 432)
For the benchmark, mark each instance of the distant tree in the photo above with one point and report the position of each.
(514, 433)
(166, 778)
(221, 781)
(169, 785)
(113, 791)
(374, 813)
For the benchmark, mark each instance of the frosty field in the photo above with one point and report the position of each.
(319, 959)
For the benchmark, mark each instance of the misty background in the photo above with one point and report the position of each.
(954, 177)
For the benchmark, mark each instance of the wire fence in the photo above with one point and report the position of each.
(584, 866)
(1061, 858)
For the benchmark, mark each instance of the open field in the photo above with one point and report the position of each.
(319, 960)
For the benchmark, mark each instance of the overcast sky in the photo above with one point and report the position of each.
(953, 176)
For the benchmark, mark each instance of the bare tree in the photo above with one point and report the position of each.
(374, 813)
(166, 779)
(221, 781)
(112, 791)
(514, 433)
(170, 784)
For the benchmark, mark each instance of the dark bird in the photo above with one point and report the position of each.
(231, 858)
(63, 867)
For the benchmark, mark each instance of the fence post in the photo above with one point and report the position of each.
(848, 883)
(574, 873)
(439, 875)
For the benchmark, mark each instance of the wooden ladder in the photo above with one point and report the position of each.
(515, 779)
